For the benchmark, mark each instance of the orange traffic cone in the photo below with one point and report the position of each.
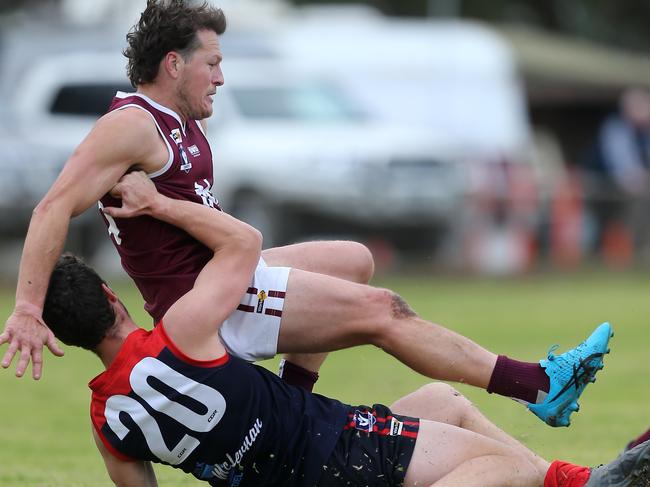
(617, 247)
(566, 223)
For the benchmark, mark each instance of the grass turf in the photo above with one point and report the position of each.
(45, 430)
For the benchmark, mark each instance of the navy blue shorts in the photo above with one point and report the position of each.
(375, 449)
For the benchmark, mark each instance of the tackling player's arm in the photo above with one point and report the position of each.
(120, 140)
(192, 322)
(126, 474)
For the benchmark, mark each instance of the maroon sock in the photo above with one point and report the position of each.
(297, 376)
(519, 380)
(641, 439)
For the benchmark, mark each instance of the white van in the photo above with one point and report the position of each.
(458, 81)
(457, 78)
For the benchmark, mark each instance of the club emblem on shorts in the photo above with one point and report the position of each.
(261, 297)
(364, 421)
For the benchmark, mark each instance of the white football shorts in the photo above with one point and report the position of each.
(251, 331)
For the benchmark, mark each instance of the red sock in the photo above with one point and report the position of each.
(297, 376)
(520, 380)
(563, 474)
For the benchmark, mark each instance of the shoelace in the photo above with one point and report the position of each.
(581, 374)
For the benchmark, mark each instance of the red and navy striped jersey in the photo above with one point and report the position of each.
(162, 259)
(225, 421)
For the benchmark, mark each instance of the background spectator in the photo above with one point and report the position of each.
(618, 179)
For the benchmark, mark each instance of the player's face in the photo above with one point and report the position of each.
(200, 77)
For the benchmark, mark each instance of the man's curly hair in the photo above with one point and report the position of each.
(76, 308)
(165, 26)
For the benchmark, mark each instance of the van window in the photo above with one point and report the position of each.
(304, 103)
(91, 100)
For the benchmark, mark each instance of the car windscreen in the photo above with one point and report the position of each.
(91, 99)
(317, 103)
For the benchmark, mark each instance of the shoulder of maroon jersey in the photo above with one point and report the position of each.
(122, 98)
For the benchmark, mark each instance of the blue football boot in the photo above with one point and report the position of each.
(569, 374)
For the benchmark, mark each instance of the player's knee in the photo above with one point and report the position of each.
(391, 313)
(365, 268)
(441, 392)
(439, 389)
(360, 262)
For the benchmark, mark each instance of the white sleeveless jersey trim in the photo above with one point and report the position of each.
(156, 105)
(205, 136)
(169, 162)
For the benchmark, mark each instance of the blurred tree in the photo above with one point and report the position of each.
(622, 23)
(7, 5)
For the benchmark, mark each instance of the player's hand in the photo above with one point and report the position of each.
(138, 196)
(25, 332)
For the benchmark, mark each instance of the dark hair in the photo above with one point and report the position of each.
(165, 26)
(76, 308)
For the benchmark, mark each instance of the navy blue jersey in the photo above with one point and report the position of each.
(225, 421)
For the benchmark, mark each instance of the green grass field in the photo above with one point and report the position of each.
(45, 431)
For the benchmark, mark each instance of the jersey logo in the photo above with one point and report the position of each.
(223, 469)
(112, 226)
(175, 134)
(194, 150)
(261, 297)
(186, 165)
(364, 420)
(205, 194)
(235, 478)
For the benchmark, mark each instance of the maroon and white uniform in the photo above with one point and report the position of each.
(164, 260)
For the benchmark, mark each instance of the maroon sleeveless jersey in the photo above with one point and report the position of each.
(162, 259)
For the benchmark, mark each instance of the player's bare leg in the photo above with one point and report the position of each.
(442, 403)
(447, 455)
(322, 313)
(347, 260)
(351, 261)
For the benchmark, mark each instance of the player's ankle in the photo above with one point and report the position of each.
(524, 381)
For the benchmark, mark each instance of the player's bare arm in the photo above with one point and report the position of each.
(220, 285)
(123, 473)
(118, 142)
